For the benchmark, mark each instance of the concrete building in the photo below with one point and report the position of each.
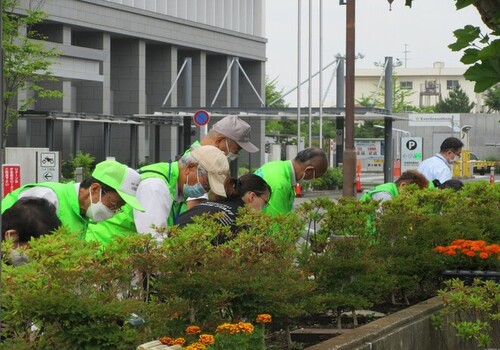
(123, 60)
(426, 86)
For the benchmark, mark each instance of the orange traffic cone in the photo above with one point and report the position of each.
(298, 190)
(358, 177)
(397, 168)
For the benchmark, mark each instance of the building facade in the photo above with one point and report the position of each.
(125, 58)
(426, 86)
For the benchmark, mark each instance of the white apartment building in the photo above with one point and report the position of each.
(427, 85)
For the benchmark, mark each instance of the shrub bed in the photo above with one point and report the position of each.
(77, 295)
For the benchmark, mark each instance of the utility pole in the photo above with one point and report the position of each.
(298, 74)
(309, 91)
(406, 52)
(1, 138)
(349, 182)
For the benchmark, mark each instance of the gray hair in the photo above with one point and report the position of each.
(188, 158)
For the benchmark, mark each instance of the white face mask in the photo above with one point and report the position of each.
(98, 211)
(230, 155)
(454, 159)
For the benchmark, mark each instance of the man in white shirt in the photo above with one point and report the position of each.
(438, 167)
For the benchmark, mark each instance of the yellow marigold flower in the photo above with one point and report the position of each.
(263, 318)
(167, 340)
(179, 341)
(196, 346)
(207, 339)
(193, 330)
(245, 327)
(224, 328)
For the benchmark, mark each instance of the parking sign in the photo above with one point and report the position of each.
(411, 153)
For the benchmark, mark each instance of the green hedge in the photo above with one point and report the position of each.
(81, 296)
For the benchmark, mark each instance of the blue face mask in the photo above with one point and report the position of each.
(193, 191)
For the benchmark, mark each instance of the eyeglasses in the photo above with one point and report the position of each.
(266, 202)
(113, 206)
(457, 154)
(199, 170)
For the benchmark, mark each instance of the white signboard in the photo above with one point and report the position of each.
(368, 148)
(451, 120)
(411, 153)
(47, 166)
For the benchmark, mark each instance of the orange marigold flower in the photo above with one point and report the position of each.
(484, 255)
(193, 330)
(263, 318)
(245, 327)
(167, 340)
(224, 328)
(179, 341)
(470, 253)
(207, 339)
(493, 249)
(196, 346)
(450, 252)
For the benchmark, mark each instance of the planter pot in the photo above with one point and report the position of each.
(468, 276)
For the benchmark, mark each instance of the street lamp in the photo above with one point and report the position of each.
(465, 135)
(404, 132)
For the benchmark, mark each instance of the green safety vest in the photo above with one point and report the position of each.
(69, 207)
(123, 223)
(367, 196)
(387, 187)
(278, 175)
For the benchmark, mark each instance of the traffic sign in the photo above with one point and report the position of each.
(201, 117)
(47, 166)
(411, 153)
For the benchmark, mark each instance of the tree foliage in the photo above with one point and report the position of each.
(457, 102)
(481, 51)
(273, 94)
(492, 98)
(26, 60)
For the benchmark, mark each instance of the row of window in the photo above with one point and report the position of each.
(408, 85)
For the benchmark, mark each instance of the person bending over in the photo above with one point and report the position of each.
(249, 190)
(29, 218)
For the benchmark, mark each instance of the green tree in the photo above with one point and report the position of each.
(26, 61)
(492, 98)
(457, 102)
(273, 94)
